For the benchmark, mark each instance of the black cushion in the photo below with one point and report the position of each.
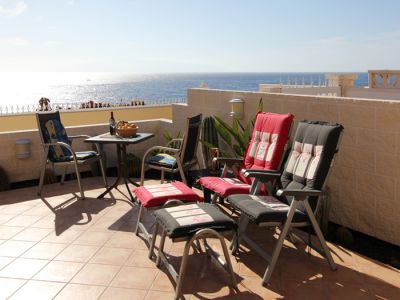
(186, 220)
(311, 155)
(262, 209)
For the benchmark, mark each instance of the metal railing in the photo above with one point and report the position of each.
(64, 106)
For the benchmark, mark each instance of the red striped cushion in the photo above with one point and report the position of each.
(156, 195)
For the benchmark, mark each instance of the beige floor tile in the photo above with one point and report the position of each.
(123, 240)
(5, 218)
(77, 253)
(40, 290)
(96, 274)
(134, 277)
(95, 238)
(15, 209)
(111, 256)
(64, 237)
(44, 250)
(22, 221)
(32, 234)
(80, 292)
(7, 232)
(139, 258)
(8, 286)
(59, 271)
(46, 222)
(335, 290)
(23, 268)
(4, 261)
(122, 293)
(40, 210)
(14, 248)
(163, 283)
(157, 295)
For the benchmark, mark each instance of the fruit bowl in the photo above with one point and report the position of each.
(126, 129)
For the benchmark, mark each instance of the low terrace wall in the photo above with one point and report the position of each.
(364, 186)
(26, 121)
(29, 168)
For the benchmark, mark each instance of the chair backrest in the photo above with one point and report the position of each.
(51, 130)
(314, 147)
(191, 140)
(209, 137)
(270, 134)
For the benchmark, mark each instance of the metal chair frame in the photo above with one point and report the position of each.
(178, 154)
(300, 199)
(201, 234)
(74, 162)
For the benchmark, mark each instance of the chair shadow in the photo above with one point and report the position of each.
(76, 212)
(299, 274)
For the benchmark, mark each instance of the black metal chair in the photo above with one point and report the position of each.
(174, 160)
(57, 149)
(297, 194)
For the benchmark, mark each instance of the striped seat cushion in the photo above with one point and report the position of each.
(156, 195)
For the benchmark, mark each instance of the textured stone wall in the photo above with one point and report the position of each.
(364, 186)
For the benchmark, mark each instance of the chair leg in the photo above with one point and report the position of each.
(161, 248)
(279, 244)
(63, 175)
(243, 222)
(41, 180)
(153, 240)
(78, 177)
(141, 210)
(162, 176)
(320, 236)
(103, 172)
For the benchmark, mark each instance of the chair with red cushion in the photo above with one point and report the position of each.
(265, 151)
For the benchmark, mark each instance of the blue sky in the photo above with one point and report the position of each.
(152, 36)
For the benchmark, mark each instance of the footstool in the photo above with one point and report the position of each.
(191, 222)
(151, 197)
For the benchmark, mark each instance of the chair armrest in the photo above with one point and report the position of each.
(81, 136)
(61, 144)
(227, 160)
(164, 149)
(298, 193)
(176, 140)
(265, 174)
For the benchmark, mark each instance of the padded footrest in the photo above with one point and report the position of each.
(192, 222)
(186, 220)
(156, 195)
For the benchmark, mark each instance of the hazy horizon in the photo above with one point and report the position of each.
(147, 37)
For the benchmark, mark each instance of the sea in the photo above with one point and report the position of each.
(26, 88)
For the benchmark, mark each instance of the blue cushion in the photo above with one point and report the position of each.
(162, 159)
(54, 131)
(82, 155)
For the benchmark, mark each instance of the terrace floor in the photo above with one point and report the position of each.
(64, 248)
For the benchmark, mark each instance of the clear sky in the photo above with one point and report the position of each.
(147, 36)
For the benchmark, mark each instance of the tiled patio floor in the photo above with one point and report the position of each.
(63, 248)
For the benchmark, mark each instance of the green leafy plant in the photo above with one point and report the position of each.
(236, 136)
(173, 142)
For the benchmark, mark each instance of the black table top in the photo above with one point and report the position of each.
(106, 138)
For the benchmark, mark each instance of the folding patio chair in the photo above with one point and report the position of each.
(174, 160)
(264, 152)
(57, 146)
(300, 186)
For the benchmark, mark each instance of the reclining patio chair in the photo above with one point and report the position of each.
(174, 160)
(298, 191)
(264, 152)
(57, 146)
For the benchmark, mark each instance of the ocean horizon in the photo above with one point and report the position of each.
(26, 88)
